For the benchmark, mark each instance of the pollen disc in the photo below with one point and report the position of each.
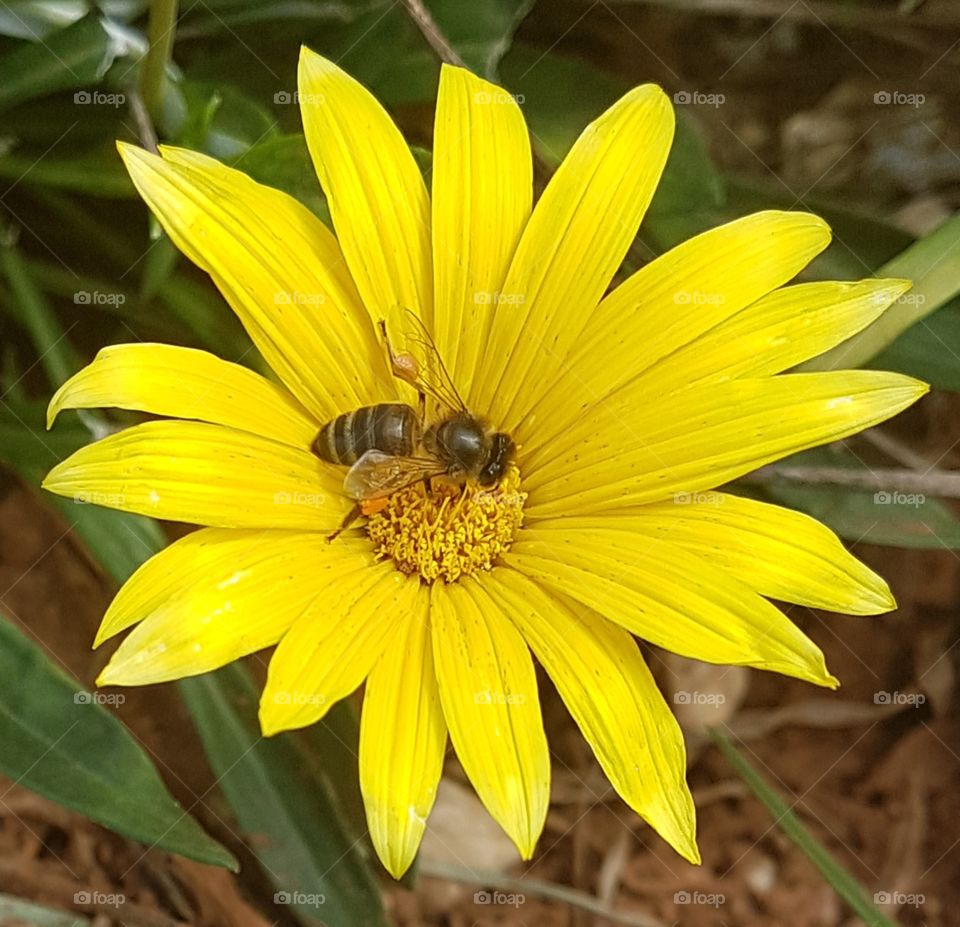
(450, 532)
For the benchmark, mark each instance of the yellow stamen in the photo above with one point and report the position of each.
(451, 531)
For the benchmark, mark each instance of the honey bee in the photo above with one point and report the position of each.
(391, 445)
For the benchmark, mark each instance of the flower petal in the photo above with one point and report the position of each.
(573, 244)
(672, 302)
(780, 553)
(376, 194)
(604, 682)
(215, 596)
(668, 596)
(482, 195)
(786, 327)
(332, 647)
(185, 383)
(488, 689)
(206, 475)
(633, 451)
(280, 269)
(402, 741)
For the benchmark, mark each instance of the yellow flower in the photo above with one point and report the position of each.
(627, 408)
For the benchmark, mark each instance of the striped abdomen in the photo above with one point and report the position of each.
(391, 427)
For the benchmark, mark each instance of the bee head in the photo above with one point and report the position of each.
(501, 454)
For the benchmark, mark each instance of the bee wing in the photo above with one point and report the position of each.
(376, 474)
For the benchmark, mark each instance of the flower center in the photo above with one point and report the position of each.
(451, 531)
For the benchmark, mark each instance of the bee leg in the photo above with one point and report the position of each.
(348, 520)
(403, 366)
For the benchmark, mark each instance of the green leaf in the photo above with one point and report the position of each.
(76, 56)
(933, 264)
(284, 162)
(60, 742)
(844, 884)
(96, 174)
(930, 349)
(308, 847)
(480, 31)
(560, 96)
(15, 911)
(35, 19)
(865, 515)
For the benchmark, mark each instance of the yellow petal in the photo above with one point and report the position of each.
(232, 593)
(482, 195)
(206, 475)
(780, 553)
(573, 244)
(402, 741)
(331, 648)
(377, 197)
(633, 449)
(668, 596)
(604, 682)
(280, 269)
(185, 383)
(673, 301)
(488, 689)
(788, 326)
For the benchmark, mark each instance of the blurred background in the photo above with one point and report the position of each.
(135, 807)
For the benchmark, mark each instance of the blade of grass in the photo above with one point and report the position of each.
(933, 264)
(844, 884)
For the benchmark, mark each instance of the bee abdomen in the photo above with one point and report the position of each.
(391, 427)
